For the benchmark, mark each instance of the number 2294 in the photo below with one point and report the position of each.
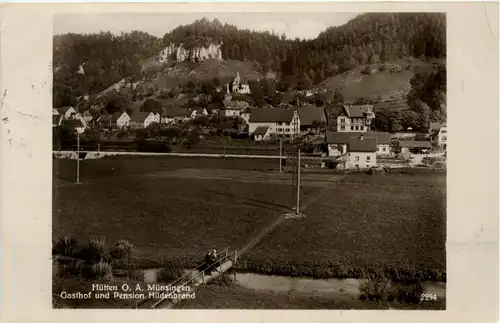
(428, 297)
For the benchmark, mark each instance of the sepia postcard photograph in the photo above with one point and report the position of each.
(249, 161)
(260, 157)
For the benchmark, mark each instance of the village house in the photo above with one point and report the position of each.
(337, 141)
(67, 112)
(355, 118)
(198, 112)
(233, 108)
(310, 115)
(55, 112)
(143, 119)
(262, 133)
(361, 153)
(174, 115)
(281, 122)
(438, 134)
(115, 120)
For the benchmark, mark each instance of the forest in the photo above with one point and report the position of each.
(368, 38)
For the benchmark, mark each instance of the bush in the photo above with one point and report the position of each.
(374, 287)
(65, 246)
(93, 252)
(100, 270)
(407, 292)
(122, 254)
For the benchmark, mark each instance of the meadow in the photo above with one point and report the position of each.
(394, 223)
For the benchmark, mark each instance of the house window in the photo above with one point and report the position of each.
(287, 130)
(279, 123)
(342, 127)
(383, 149)
(342, 120)
(357, 128)
(444, 138)
(280, 130)
(287, 123)
(352, 127)
(367, 158)
(356, 158)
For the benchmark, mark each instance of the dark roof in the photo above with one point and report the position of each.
(358, 111)
(139, 116)
(414, 144)
(435, 126)
(64, 109)
(115, 116)
(173, 112)
(271, 115)
(309, 114)
(333, 137)
(261, 130)
(362, 145)
(73, 123)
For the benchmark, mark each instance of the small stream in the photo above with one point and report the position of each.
(348, 286)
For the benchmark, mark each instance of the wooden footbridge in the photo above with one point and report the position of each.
(204, 273)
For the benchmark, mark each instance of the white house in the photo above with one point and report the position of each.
(361, 153)
(233, 108)
(143, 119)
(261, 133)
(438, 134)
(198, 112)
(174, 115)
(355, 118)
(282, 122)
(67, 112)
(115, 120)
(337, 141)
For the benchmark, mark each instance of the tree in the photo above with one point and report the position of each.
(257, 93)
(305, 82)
(152, 105)
(115, 101)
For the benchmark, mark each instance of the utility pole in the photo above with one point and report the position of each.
(281, 149)
(77, 157)
(298, 182)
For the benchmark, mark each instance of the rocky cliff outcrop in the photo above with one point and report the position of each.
(194, 54)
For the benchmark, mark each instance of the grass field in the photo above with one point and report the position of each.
(178, 208)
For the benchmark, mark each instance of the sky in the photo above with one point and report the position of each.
(301, 25)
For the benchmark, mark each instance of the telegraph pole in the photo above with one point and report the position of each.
(281, 149)
(298, 182)
(77, 157)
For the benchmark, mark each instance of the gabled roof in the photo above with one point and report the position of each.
(271, 115)
(63, 110)
(435, 126)
(115, 116)
(333, 137)
(173, 112)
(414, 144)
(139, 116)
(358, 111)
(261, 130)
(310, 114)
(362, 145)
